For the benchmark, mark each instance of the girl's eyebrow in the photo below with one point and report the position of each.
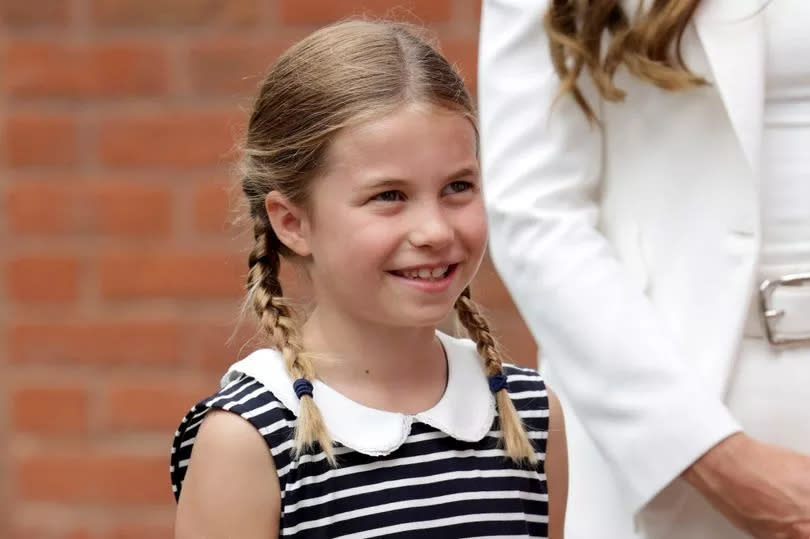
(388, 183)
(392, 183)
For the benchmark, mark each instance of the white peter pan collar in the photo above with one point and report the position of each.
(465, 411)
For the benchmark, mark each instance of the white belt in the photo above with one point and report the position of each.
(781, 311)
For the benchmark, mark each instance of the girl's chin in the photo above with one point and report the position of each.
(425, 317)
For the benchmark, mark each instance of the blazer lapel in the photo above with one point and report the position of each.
(733, 36)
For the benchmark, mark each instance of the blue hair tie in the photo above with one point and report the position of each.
(302, 387)
(497, 382)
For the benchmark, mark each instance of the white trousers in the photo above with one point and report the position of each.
(769, 393)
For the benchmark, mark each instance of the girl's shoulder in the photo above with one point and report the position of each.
(245, 396)
(522, 379)
(529, 393)
(532, 400)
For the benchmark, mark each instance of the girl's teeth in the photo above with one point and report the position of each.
(425, 273)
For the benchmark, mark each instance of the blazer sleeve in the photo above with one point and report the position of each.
(608, 349)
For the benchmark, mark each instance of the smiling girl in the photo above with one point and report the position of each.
(363, 420)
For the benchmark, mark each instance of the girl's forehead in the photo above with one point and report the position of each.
(404, 136)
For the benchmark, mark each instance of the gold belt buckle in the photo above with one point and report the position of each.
(768, 313)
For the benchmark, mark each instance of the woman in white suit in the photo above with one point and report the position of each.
(636, 209)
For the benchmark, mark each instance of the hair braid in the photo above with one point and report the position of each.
(516, 441)
(279, 321)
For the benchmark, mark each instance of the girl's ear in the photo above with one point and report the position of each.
(289, 222)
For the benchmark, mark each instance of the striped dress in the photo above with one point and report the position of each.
(436, 474)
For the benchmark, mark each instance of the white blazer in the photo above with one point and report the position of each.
(630, 250)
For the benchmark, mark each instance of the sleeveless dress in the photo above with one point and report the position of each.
(439, 473)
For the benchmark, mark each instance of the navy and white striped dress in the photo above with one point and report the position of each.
(440, 473)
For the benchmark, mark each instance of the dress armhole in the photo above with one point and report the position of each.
(243, 396)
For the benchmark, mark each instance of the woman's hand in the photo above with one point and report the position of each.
(762, 488)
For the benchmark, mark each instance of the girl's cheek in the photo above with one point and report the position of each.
(375, 242)
(474, 224)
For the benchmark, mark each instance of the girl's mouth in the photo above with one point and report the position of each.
(436, 273)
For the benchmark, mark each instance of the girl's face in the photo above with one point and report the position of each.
(397, 227)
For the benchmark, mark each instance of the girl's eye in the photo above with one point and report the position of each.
(389, 196)
(458, 186)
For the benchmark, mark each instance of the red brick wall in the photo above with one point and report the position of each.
(120, 278)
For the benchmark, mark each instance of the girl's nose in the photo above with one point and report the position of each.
(431, 229)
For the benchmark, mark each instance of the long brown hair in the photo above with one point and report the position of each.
(339, 76)
(648, 45)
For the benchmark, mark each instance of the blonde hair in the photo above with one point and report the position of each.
(649, 46)
(339, 76)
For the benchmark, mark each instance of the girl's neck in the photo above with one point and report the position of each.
(391, 368)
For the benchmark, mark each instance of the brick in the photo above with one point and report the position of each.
(189, 275)
(172, 13)
(488, 289)
(54, 69)
(41, 139)
(40, 207)
(139, 531)
(319, 12)
(92, 478)
(516, 341)
(168, 139)
(66, 206)
(216, 346)
(131, 209)
(228, 66)
(96, 343)
(154, 406)
(48, 529)
(109, 528)
(18, 14)
(43, 278)
(50, 410)
(212, 211)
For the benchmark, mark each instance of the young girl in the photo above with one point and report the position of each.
(365, 421)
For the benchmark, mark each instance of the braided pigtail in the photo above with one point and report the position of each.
(278, 320)
(516, 440)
